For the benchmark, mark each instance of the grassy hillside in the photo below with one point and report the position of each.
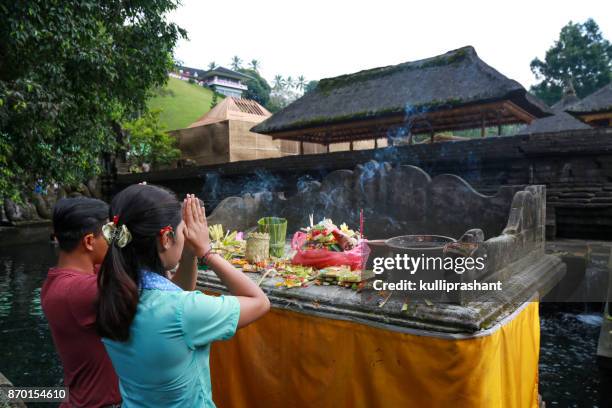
(181, 103)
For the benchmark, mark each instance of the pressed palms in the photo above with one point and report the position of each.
(279, 82)
(301, 83)
(255, 64)
(236, 63)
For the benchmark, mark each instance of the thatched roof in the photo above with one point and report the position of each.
(561, 120)
(558, 122)
(569, 99)
(598, 101)
(451, 91)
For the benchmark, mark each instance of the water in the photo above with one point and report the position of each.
(569, 376)
(27, 354)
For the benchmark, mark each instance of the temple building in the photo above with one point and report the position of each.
(452, 91)
(222, 80)
(560, 120)
(595, 109)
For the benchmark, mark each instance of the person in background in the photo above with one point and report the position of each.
(158, 332)
(68, 298)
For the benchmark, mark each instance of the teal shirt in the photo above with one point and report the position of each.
(165, 361)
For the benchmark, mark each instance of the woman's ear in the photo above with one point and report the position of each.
(88, 242)
(166, 240)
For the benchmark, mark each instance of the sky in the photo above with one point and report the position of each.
(321, 39)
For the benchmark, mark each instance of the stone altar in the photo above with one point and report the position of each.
(509, 227)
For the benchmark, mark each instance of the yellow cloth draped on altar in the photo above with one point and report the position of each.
(291, 359)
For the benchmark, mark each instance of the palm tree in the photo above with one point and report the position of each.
(255, 65)
(301, 83)
(212, 65)
(289, 83)
(279, 82)
(236, 63)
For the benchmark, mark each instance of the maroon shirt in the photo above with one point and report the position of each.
(68, 301)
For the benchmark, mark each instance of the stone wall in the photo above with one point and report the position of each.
(575, 166)
(29, 220)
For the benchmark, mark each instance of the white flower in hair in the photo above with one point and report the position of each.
(114, 234)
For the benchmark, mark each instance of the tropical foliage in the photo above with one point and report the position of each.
(283, 91)
(70, 72)
(258, 88)
(581, 56)
(236, 63)
(148, 143)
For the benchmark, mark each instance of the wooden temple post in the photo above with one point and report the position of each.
(483, 132)
(351, 145)
(301, 148)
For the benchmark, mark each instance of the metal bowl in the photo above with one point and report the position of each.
(419, 242)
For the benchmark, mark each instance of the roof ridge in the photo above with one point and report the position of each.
(596, 101)
(450, 57)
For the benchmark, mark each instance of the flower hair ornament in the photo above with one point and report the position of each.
(167, 228)
(114, 234)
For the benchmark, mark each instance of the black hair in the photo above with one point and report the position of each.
(73, 218)
(144, 210)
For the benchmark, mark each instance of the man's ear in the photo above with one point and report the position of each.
(88, 242)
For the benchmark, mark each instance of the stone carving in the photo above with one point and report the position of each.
(35, 208)
(25, 211)
(13, 212)
(42, 208)
(3, 219)
(93, 186)
(396, 200)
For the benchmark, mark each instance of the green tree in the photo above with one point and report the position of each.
(310, 86)
(279, 82)
(212, 65)
(255, 65)
(215, 99)
(148, 142)
(236, 63)
(70, 72)
(300, 83)
(581, 56)
(258, 88)
(289, 82)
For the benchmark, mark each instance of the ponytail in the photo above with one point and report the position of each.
(118, 296)
(143, 210)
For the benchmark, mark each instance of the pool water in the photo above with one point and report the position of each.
(569, 375)
(27, 354)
